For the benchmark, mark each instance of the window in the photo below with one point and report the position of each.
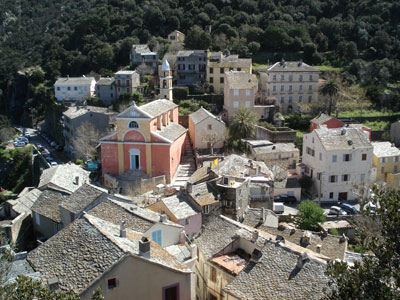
(213, 274)
(75, 88)
(290, 88)
(282, 88)
(128, 90)
(127, 82)
(71, 216)
(364, 156)
(282, 99)
(300, 87)
(235, 92)
(274, 88)
(235, 104)
(395, 170)
(206, 209)
(226, 180)
(331, 195)
(211, 70)
(230, 69)
(290, 77)
(133, 124)
(221, 80)
(301, 78)
(345, 177)
(37, 219)
(311, 78)
(382, 160)
(156, 236)
(274, 77)
(300, 99)
(209, 126)
(346, 157)
(319, 176)
(58, 88)
(221, 70)
(211, 79)
(247, 103)
(333, 178)
(119, 81)
(383, 170)
(290, 99)
(334, 158)
(187, 221)
(310, 87)
(183, 67)
(282, 77)
(171, 292)
(112, 283)
(247, 92)
(362, 176)
(309, 99)
(239, 69)
(69, 88)
(396, 158)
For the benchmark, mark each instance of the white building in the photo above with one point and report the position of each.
(339, 161)
(291, 84)
(74, 88)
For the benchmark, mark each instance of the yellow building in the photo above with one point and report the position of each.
(218, 64)
(387, 162)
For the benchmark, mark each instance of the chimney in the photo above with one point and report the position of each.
(263, 215)
(67, 77)
(144, 247)
(193, 250)
(301, 260)
(189, 187)
(163, 218)
(53, 284)
(319, 248)
(122, 229)
(182, 238)
(306, 238)
(77, 180)
(254, 236)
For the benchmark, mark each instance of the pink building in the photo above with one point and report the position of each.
(148, 138)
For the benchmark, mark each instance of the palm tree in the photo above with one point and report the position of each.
(329, 89)
(242, 124)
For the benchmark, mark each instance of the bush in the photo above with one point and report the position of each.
(333, 231)
(180, 93)
(310, 215)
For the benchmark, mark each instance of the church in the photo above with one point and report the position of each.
(148, 137)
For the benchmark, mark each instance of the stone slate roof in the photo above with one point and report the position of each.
(71, 81)
(288, 183)
(235, 165)
(105, 81)
(190, 52)
(276, 276)
(62, 178)
(24, 203)
(241, 80)
(48, 204)
(331, 246)
(343, 138)
(179, 206)
(76, 111)
(201, 114)
(385, 149)
(158, 107)
(276, 148)
(82, 198)
(321, 119)
(86, 249)
(141, 48)
(170, 132)
(231, 61)
(291, 66)
(203, 194)
(125, 72)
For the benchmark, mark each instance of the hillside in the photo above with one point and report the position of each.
(76, 37)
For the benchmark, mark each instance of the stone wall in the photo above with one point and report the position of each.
(275, 136)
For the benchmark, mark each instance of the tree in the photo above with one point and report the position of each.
(242, 124)
(329, 89)
(310, 215)
(376, 277)
(24, 288)
(197, 38)
(85, 140)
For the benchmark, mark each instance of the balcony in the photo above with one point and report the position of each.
(264, 102)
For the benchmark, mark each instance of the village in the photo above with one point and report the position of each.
(154, 196)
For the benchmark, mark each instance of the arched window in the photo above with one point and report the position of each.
(164, 84)
(133, 124)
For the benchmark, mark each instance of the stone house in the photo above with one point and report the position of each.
(105, 90)
(236, 261)
(126, 82)
(291, 84)
(142, 54)
(92, 253)
(74, 88)
(191, 67)
(218, 64)
(206, 131)
(386, 161)
(176, 36)
(75, 116)
(338, 160)
(148, 139)
(179, 210)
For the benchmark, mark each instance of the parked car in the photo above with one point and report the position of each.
(27, 134)
(49, 158)
(54, 164)
(23, 139)
(336, 210)
(40, 147)
(53, 144)
(19, 144)
(349, 209)
(278, 208)
(285, 199)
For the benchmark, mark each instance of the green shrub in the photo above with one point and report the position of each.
(334, 231)
(180, 93)
(310, 215)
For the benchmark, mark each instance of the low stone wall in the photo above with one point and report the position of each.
(275, 136)
(151, 183)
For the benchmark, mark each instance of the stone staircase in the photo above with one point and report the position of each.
(186, 167)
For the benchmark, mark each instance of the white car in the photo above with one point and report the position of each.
(54, 164)
(336, 210)
(19, 144)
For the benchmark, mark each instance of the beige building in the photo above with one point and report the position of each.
(176, 36)
(386, 160)
(240, 92)
(218, 64)
(285, 155)
(206, 130)
(291, 83)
